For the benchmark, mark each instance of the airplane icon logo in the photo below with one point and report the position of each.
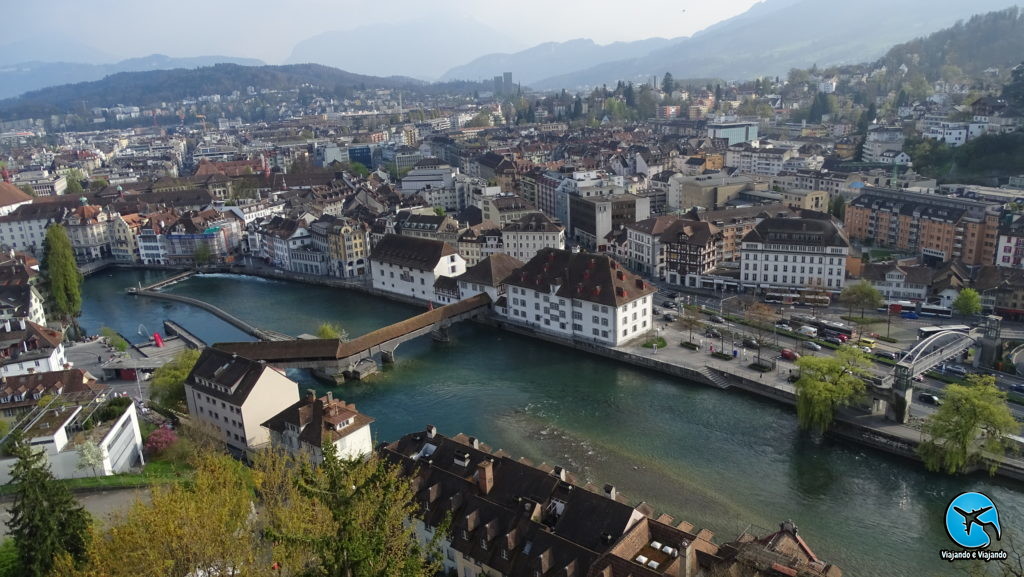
(967, 517)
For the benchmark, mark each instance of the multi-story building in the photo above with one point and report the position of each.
(734, 132)
(488, 276)
(203, 235)
(25, 228)
(345, 242)
(152, 237)
(709, 191)
(480, 241)
(735, 223)
(505, 208)
(91, 232)
(410, 266)
(897, 282)
(523, 238)
(688, 248)
(592, 218)
(581, 295)
(880, 140)
(1010, 247)
(20, 394)
(751, 159)
(936, 227)
(794, 253)
(125, 232)
(43, 183)
(806, 199)
(233, 396)
(312, 423)
(509, 518)
(280, 237)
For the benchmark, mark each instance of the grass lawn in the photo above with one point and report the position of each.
(154, 473)
(660, 342)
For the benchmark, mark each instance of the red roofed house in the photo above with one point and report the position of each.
(311, 423)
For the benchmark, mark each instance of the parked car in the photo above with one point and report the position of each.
(842, 337)
(1017, 388)
(717, 319)
(866, 349)
(811, 346)
(918, 378)
(669, 317)
(909, 315)
(929, 399)
(834, 340)
(955, 370)
(789, 354)
(713, 334)
(784, 326)
(669, 304)
(793, 378)
(887, 355)
(672, 295)
(751, 343)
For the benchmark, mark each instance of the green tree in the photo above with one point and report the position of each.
(115, 340)
(690, 320)
(668, 84)
(359, 169)
(46, 521)
(27, 190)
(862, 296)
(440, 211)
(972, 421)
(967, 303)
(60, 273)
(74, 178)
(759, 315)
(828, 383)
(202, 255)
(331, 331)
(167, 385)
(481, 120)
(369, 503)
(837, 207)
(9, 565)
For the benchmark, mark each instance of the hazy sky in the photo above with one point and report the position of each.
(268, 29)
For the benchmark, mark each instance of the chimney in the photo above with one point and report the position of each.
(21, 323)
(310, 395)
(431, 431)
(560, 473)
(485, 476)
(7, 325)
(609, 491)
(619, 275)
(330, 396)
(474, 442)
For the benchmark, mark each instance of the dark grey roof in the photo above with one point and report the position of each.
(795, 231)
(412, 252)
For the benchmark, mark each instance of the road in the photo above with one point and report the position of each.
(732, 335)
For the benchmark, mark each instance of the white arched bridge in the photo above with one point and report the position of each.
(928, 354)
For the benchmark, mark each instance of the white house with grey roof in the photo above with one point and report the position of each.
(409, 266)
(580, 296)
(792, 253)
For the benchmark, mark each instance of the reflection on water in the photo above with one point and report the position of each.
(719, 460)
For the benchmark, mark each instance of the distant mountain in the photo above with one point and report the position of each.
(149, 87)
(428, 48)
(993, 40)
(552, 58)
(777, 35)
(16, 79)
(53, 49)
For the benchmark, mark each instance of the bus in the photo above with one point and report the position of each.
(935, 311)
(925, 332)
(781, 298)
(825, 327)
(818, 300)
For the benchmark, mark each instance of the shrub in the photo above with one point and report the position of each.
(659, 342)
(722, 356)
(159, 440)
(887, 339)
(689, 345)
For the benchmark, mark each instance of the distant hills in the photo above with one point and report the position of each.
(767, 40)
(146, 88)
(552, 58)
(18, 78)
(422, 49)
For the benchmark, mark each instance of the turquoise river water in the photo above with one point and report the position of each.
(721, 460)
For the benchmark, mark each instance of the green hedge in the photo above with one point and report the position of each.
(722, 356)
(886, 339)
(689, 345)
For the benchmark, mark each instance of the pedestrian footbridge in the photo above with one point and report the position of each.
(334, 356)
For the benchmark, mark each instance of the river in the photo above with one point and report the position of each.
(721, 460)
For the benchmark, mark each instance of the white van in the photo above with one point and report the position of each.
(808, 331)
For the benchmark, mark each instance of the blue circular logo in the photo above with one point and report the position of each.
(967, 517)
